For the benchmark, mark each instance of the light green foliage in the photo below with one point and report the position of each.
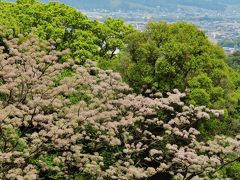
(232, 170)
(53, 168)
(167, 56)
(11, 138)
(67, 72)
(110, 35)
(80, 94)
(199, 96)
(65, 25)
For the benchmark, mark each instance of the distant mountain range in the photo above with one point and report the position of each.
(149, 4)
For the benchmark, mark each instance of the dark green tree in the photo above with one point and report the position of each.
(233, 60)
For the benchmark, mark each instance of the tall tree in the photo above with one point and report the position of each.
(167, 56)
(65, 25)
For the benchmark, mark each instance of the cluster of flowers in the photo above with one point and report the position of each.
(144, 136)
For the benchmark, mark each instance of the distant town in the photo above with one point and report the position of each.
(221, 27)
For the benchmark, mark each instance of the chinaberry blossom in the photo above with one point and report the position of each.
(91, 122)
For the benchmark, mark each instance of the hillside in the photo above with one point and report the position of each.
(143, 4)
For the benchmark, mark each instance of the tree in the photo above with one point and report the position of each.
(234, 60)
(60, 120)
(65, 25)
(111, 34)
(167, 56)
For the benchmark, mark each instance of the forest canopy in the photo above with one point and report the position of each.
(68, 27)
(167, 56)
(80, 99)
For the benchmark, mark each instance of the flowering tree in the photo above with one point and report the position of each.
(60, 120)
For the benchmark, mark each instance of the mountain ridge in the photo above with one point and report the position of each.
(133, 4)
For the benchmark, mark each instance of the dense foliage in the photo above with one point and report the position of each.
(233, 60)
(167, 56)
(67, 26)
(164, 56)
(61, 117)
(88, 124)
